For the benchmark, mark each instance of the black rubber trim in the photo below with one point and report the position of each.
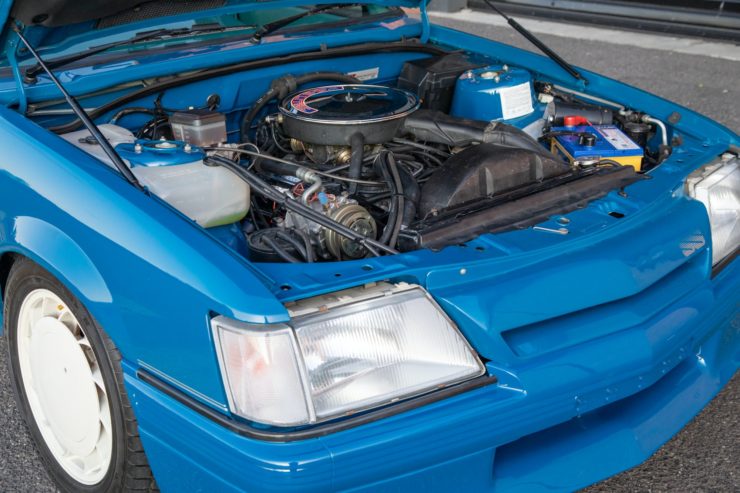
(181, 79)
(319, 430)
(716, 269)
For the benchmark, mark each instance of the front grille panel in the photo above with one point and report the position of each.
(608, 318)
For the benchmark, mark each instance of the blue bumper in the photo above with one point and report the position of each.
(588, 423)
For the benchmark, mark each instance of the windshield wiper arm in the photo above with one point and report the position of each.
(273, 26)
(32, 72)
(539, 44)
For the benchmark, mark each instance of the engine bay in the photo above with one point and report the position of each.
(424, 152)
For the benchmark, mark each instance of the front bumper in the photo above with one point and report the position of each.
(589, 422)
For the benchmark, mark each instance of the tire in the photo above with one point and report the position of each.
(68, 382)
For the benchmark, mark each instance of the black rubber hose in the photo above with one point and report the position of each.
(128, 111)
(357, 146)
(299, 246)
(311, 257)
(277, 167)
(381, 168)
(232, 68)
(253, 111)
(510, 136)
(438, 127)
(279, 250)
(412, 195)
(386, 167)
(262, 187)
(400, 199)
(281, 87)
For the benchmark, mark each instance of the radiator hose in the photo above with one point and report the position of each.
(435, 126)
(281, 87)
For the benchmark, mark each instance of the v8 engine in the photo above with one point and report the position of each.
(325, 167)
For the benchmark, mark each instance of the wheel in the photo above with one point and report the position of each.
(68, 382)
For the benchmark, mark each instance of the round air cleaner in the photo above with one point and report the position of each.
(330, 115)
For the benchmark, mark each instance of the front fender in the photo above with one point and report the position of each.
(56, 252)
(148, 275)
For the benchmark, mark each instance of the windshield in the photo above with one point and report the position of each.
(124, 41)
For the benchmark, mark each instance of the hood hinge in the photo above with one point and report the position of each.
(11, 47)
(425, 27)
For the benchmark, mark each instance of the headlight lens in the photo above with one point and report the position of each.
(351, 351)
(717, 186)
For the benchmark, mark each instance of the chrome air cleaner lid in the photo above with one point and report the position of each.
(332, 114)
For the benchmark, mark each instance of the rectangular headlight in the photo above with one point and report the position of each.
(717, 186)
(342, 353)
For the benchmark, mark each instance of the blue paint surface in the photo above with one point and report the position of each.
(605, 341)
(480, 94)
(153, 153)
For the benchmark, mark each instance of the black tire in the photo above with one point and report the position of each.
(129, 469)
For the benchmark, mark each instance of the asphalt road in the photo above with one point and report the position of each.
(705, 456)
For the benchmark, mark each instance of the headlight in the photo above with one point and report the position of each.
(342, 353)
(717, 186)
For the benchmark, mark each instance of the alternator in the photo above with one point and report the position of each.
(329, 243)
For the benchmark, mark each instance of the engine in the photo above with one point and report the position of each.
(332, 128)
(325, 167)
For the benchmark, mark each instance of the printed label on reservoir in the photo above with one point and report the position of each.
(516, 101)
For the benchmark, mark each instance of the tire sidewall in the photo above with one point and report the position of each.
(25, 278)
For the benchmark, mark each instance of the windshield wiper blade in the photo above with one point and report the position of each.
(32, 72)
(538, 43)
(273, 26)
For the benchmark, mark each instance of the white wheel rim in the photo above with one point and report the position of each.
(64, 387)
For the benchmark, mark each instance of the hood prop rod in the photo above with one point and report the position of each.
(82, 115)
(539, 44)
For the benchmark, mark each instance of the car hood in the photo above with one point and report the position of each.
(60, 13)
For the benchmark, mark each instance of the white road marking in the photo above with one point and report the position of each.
(690, 46)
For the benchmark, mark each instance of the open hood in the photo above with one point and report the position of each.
(56, 13)
(62, 27)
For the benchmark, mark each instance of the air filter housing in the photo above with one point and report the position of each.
(330, 115)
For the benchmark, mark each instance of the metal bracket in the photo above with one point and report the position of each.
(425, 26)
(11, 47)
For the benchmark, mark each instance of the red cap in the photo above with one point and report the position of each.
(574, 121)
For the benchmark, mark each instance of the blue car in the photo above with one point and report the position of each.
(272, 246)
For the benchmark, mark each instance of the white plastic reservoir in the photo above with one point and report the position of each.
(173, 171)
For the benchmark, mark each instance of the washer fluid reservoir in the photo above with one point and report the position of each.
(495, 92)
(174, 171)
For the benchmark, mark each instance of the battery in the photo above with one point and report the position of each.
(592, 143)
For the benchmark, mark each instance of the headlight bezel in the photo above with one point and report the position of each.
(729, 164)
(308, 309)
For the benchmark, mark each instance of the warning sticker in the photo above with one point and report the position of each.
(516, 101)
(367, 74)
(617, 139)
